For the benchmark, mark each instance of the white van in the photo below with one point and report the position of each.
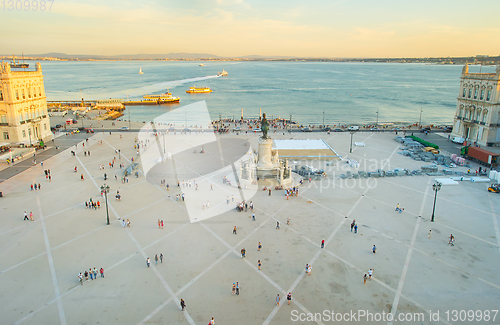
(353, 128)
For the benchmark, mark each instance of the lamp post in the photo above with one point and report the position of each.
(420, 118)
(350, 148)
(105, 189)
(323, 118)
(376, 124)
(436, 187)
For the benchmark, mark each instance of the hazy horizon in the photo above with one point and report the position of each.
(238, 28)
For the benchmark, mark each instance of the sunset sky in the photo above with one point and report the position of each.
(230, 28)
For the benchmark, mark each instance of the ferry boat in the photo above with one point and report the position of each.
(165, 98)
(198, 90)
(223, 73)
(17, 64)
(140, 71)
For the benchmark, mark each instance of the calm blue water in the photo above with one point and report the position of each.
(345, 92)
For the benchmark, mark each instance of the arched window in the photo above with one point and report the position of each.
(485, 114)
(470, 92)
(476, 91)
(488, 96)
(464, 92)
(482, 94)
(461, 112)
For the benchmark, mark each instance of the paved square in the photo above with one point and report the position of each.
(413, 274)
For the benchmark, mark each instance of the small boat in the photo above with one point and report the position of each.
(202, 65)
(223, 73)
(17, 64)
(165, 98)
(198, 90)
(140, 71)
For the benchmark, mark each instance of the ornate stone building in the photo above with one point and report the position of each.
(477, 118)
(23, 106)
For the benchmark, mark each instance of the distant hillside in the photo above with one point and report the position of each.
(181, 55)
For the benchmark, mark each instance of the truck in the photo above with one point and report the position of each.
(482, 156)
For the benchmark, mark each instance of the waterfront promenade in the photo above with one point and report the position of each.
(40, 259)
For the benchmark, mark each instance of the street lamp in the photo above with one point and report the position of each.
(376, 124)
(105, 189)
(436, 187)
(323, 118)
(350, 148)
(420, 118)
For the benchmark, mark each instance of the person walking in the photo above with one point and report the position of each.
(278, 300)
(288, 221)
(237, 289)
(352, 224)
(26, 216)
(277, 225)
(323, 243)
(183, 304)
(156, 259)
(289, 297)
(355, 229)
(161, 222)
(95, 273)
(102, 272)
(259, 264)
(234, 230)
(259, 247)
(80, 278)
(374, 249)
(243, 251)
(429, 234)
(161, 258)
(86, 274)
(269, 192)
(364, 278)
(370, 273)
(309, 270)
(253, 216)
(148, 262)
(31, 216)
(91, 274)
(233, 290)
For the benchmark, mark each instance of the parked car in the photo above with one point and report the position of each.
(427, 128)
(338, 130)
(374, 129)
(257, 130)
(353, 128)
(237, 128)
(448, 129)
(123, 128)
(306, 129)
(458, 140)
(327, 129)
(89, 130)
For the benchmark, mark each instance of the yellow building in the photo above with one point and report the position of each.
(23, 107)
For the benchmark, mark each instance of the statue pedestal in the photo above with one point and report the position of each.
(265, 154)
(266, 167)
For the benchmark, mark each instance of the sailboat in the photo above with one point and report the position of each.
(140, 71)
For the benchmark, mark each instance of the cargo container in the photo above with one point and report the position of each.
(481, 156)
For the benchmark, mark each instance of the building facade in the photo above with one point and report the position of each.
(23, 107)
(477, 118)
